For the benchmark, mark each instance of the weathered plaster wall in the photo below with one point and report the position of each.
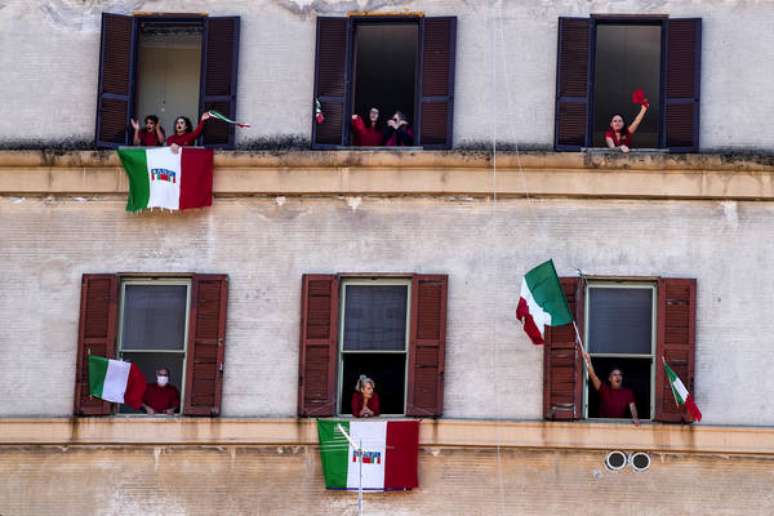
(266, 244)
(505, 66)
(288, 480)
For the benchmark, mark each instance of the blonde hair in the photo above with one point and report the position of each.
(362, 380)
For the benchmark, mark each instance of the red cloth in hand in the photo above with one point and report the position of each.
(638, 97)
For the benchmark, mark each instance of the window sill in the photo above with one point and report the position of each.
(442, 432)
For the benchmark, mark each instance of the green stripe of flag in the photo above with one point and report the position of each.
(98, 367)
(136, 165)
(334, 452)
(544, 284)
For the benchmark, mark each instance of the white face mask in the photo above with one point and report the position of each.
(162, 380)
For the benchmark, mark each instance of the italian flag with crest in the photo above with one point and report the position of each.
(375, 455)
(542, 302)
(160, 178)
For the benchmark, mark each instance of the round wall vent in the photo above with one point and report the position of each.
(640, 461)
(616, 460)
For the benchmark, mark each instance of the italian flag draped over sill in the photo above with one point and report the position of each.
(160, 178)
(542, 302)
(387, 458)
(682, 396)
(116, 381)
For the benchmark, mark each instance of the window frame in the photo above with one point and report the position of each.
(119, 353)
(623, 285)
(375, 281)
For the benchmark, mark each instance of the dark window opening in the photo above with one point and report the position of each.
(620, 333)
(636, 376)
(153, 330)
(384, 69)
(374, 342)
(169, 72)
(628, 57)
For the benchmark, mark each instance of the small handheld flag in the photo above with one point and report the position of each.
(682, 396)
(542, 302)
(318, 113)
(224, 118)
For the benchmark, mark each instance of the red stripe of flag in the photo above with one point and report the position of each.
(400, 465)
(196, 183)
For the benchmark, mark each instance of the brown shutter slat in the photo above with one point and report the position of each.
(220, 66)
(206, 345)
(115, 93)
(97, 329)
(676, 341)
(572, 84)
(427, 345)
(562, 368)
(683, 80)
(438, 39)
(319, 345)
(331, 85)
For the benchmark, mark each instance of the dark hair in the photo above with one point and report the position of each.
(152, 118)
(614, 367)
(188, 124)
(402, 116)
(625, 127)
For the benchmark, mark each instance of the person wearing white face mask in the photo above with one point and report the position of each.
(161, 397)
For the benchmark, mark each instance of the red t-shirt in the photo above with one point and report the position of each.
(625, 138)
(186, 138)
(161, 398)
(149, 139)
(366, 136)
(357, 404)
(614, 402)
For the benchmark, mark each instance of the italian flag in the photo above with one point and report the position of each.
(116, 381)
(380, 454)
(682, 396)
(160, 178)
(542, 302)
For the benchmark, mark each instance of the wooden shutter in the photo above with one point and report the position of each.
(427, 346)
(97, 331)
(562, 362)
(206, 345)
(683, 79)
(115, 93)
(331, 81)
(676, 341)
(319, 345)
(438, 45)
(573, 68)
(220, 63)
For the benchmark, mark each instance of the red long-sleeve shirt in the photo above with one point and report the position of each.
(357, 404)
(186, 138)
(365, 136)
(161, 398)
(149, 139)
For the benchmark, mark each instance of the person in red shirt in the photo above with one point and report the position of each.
(365, 402)
(398, 132)
(619, 136)
(614, 399)
(161, 397)
(152, 136)
(367, 135)
(184, 132)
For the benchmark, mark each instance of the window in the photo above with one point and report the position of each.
(176, 322)
(374, 340)
(403, 63)
(603, 59)
(621, 333)
(634, 323)
(166, 65)
(153, 328)
(391, 329)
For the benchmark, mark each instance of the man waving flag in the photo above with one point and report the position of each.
(542, 302)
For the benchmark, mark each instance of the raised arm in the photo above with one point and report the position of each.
(636, 124)
(592, 374)
(136, 127)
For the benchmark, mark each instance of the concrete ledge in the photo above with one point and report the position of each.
(443, 433)
(528, 174)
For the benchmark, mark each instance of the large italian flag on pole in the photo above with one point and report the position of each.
(682, 396)
(160, 178)
(377, 455)
(542, 302)
(116, 381)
